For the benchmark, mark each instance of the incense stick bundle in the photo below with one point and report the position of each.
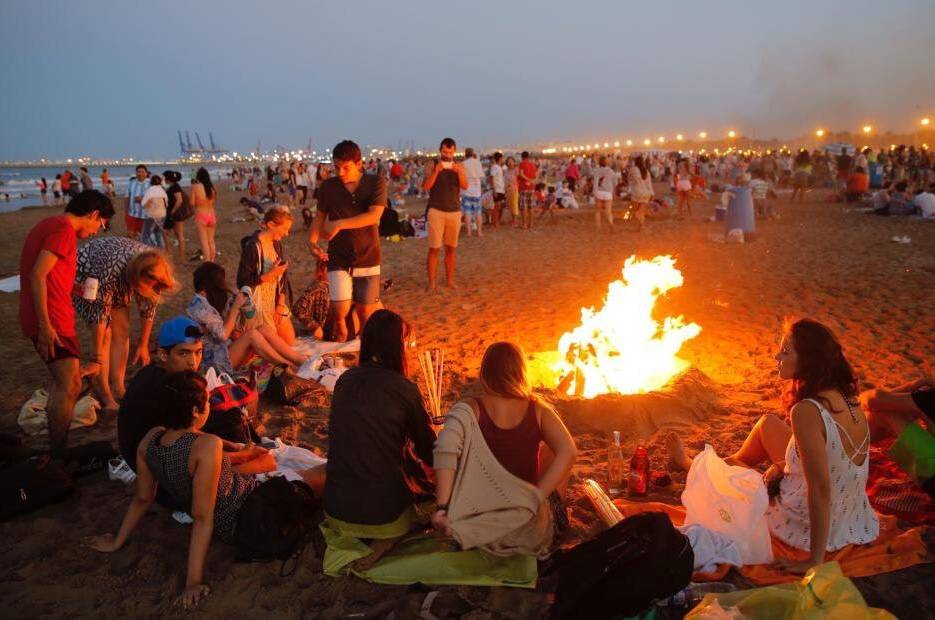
(433, 368)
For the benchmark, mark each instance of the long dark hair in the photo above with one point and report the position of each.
(383, 342)
(204, 178)
(820, 364)
(179, 395)
(212, 279)
(641, 165)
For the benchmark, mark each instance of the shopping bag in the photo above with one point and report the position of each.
(824, 592)
(729, 500)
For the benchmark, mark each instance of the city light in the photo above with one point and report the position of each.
(820, 133)
(647, 142)
(606, 145)
(867, 129)
(616, 143)
(731, 134)
(703, 135)
(629, 142)
(925, 121)
(661, 140)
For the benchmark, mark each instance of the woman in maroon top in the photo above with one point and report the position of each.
(515, 423)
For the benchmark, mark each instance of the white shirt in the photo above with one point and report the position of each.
(474, 173)
(926, 203)
(155, 200)
(496, 173)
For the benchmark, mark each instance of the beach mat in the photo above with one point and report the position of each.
(427, 559)
(894, 549)
(894, 492)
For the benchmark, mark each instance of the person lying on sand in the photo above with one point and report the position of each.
(375, 412)
(195, 471)
(502, 430)
(896, 414)
(821, 461)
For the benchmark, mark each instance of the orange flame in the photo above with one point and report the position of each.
(621, 348)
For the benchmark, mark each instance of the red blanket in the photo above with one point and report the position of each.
(893, 492)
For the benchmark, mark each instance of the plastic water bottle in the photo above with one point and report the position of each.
(248, 308)
(615, 466)
(638, 480)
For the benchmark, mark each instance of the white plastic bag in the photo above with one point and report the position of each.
(729, 500)
(34, 420)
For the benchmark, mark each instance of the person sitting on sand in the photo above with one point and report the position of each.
(858, 182)
(217, 309)
(896, 413)
(375, 411)
(492, 442)
(194, 469)
(821, 460)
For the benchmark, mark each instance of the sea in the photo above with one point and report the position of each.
(19, 186)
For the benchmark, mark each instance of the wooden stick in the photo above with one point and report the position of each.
(430, 380)
(425, 376)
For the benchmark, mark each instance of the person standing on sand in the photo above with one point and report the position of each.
(57, 191)
(349, 209)
(526, 180)
(46, 315)
(44, 190)
(498, 186)
(135, 190)
(470, 198)
(444, 180)
(204, 195)
(86, 181)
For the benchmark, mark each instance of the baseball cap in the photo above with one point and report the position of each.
(177, 330)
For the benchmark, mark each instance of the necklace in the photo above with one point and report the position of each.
(850, 407)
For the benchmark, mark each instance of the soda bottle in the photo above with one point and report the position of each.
(638, 480)
(615, 466)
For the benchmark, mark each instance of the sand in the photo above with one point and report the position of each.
(819, 260)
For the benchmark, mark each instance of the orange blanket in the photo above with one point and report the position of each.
(894, 549)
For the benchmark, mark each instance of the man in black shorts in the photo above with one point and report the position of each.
(349, 208)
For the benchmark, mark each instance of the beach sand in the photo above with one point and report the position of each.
(819, 260)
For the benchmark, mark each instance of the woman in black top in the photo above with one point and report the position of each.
(375, 411)
(175, 213)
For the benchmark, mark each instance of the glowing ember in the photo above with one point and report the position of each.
(621, 348)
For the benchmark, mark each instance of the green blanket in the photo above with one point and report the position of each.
(420, 558)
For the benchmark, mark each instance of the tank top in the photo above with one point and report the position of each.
(445, 194)
(169, 465)
(852, 518)
(517, 449)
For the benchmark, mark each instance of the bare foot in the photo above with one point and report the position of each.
(677, 454)
(380, 547)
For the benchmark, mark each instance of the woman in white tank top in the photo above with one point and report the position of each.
(821, 461)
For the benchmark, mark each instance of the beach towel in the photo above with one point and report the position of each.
(894, 492)
(420, 557)
(893, 550)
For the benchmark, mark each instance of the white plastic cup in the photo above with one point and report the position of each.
(90, 288)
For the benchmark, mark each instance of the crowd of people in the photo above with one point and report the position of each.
(492, 475)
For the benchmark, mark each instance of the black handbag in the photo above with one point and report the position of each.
(287, 389)
(32, 484)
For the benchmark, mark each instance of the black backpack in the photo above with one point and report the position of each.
(624, 569)
(276, 521)
(31, 484)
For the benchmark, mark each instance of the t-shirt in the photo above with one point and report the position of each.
(138, 411)
(759, 188)
(496, 174)
(528, 169)
(445, 193)
(157, 208)
(926, 203)
(56, 235)
(474, 173)
(354, 247)
(374, 411)
(605, 179)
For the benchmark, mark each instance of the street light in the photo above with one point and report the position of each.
(703, 135)
(731, 134)
(629, 142)
(679, 137)
(647, 142)
(925, 121)
(868, 129)
(616, 143)
(820, 133)
(661, 140)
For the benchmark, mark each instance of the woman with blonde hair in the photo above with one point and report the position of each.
(492, 487)
(263, 268)
(111, 271)
(204, 196)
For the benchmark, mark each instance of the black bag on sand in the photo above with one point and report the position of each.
(32, 484)
(622, 571)
(287, 389)
(276, 522)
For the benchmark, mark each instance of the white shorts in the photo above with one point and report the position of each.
(603, 195)
(358, 284)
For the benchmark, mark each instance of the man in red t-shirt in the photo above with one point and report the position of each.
(526, 181)
(46, 313)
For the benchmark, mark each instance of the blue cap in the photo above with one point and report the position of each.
(177, 330)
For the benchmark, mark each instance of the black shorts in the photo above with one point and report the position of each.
(499, 198)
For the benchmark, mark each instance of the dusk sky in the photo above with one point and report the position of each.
(111, 79)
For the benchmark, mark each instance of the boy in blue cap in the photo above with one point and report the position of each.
(180, 349)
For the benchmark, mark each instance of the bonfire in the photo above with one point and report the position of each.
(621, 348)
